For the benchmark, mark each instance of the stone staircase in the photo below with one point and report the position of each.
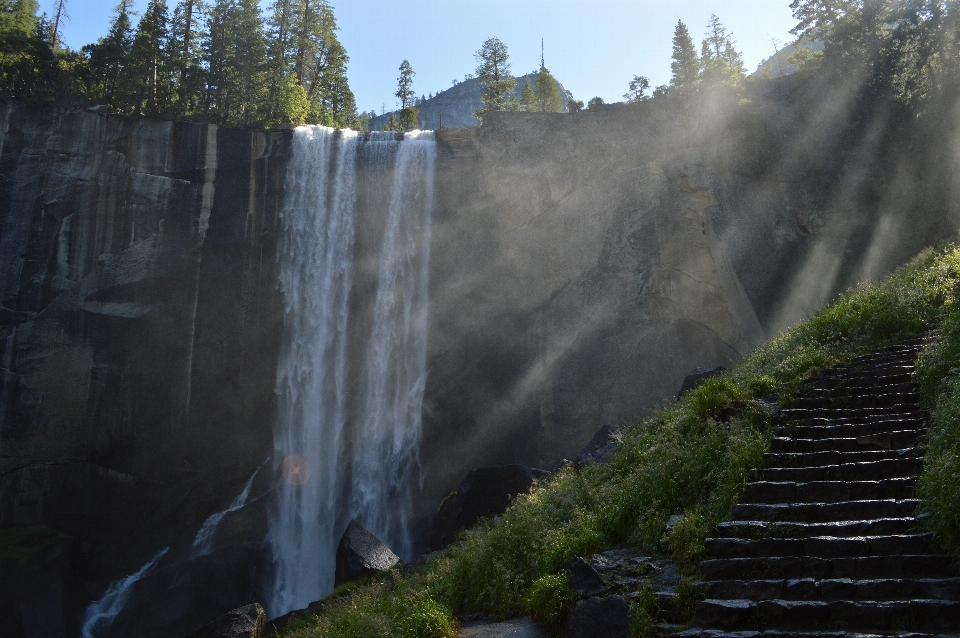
(827, 541)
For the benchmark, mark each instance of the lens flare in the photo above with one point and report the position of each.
(295, 470)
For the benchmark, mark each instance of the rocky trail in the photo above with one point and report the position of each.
(827, 541)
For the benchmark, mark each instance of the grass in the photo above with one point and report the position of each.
(691, 458)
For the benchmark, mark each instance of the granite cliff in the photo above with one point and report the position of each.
(581, 265)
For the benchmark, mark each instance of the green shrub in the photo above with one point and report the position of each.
(644, 614)
(550, 599)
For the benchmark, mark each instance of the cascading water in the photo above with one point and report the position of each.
(348, 425)
(101, 614)
(203, 542)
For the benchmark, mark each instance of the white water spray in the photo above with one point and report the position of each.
(358, 437)
(101, 614)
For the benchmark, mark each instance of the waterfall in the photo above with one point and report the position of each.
(348, 424)
(100, 614)
(203, 543)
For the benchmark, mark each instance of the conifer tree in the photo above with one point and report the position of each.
(108, 57)
(638, 86)
(148, 86)
(408, 112)
(685, 65)
(722, 64)
(528, 100)
(547, 94)
(185, 55)
(235, 52)
(497, 86)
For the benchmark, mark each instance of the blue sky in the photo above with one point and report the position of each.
(594, 47)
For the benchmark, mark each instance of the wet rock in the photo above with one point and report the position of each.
(486, 491)
(599, 447)
(243, 622)
(598, 618)
(361, 554)
(696, 378)
(583, 578)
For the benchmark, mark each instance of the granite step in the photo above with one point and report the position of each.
(916, 614)
(861, 568)
(836, 589)
(878, 442)
(872, 471)
(767, 492)
(820, 546)
(832, 430)
(869, 527)
(825, 512)
(816, 459)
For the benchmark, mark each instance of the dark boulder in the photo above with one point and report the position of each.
(598, 618)
(583, 578)
(361, 554)
(696, 378)
(599, 447)
(243, 622)
(486, 491)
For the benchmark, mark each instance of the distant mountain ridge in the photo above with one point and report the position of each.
(457, 105)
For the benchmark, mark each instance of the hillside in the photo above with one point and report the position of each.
(457, 104)
(678, 473)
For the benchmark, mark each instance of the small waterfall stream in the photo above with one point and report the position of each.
(353, 363)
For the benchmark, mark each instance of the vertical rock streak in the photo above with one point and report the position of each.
(362, 449)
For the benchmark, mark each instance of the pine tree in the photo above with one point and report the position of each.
(408, 112)
(528, 100)
(28, 64)
(545, 90)
(185, 55)
(638, 86)
(235, 52)
(148, 86)
(685, 65)
(722, 64)
(497, 86)
(108, 57)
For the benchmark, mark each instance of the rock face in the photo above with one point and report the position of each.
(696, 378)
(486, 491)
(139, 328)
(361, 554)
(456, 105)
(602, 444)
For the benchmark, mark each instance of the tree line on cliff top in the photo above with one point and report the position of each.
(221, 61)
(211, 60)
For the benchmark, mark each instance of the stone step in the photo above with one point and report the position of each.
(768, 492)
(918, 614)
(765, 529)
(697, 632)
(833, 430)
(854, 414)
(867, 443)
(819, 546)
(815, 459)
(907, 387)
(862, 568)
(871, 471)
(836, 589)
(856, 400)
(826, 512)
